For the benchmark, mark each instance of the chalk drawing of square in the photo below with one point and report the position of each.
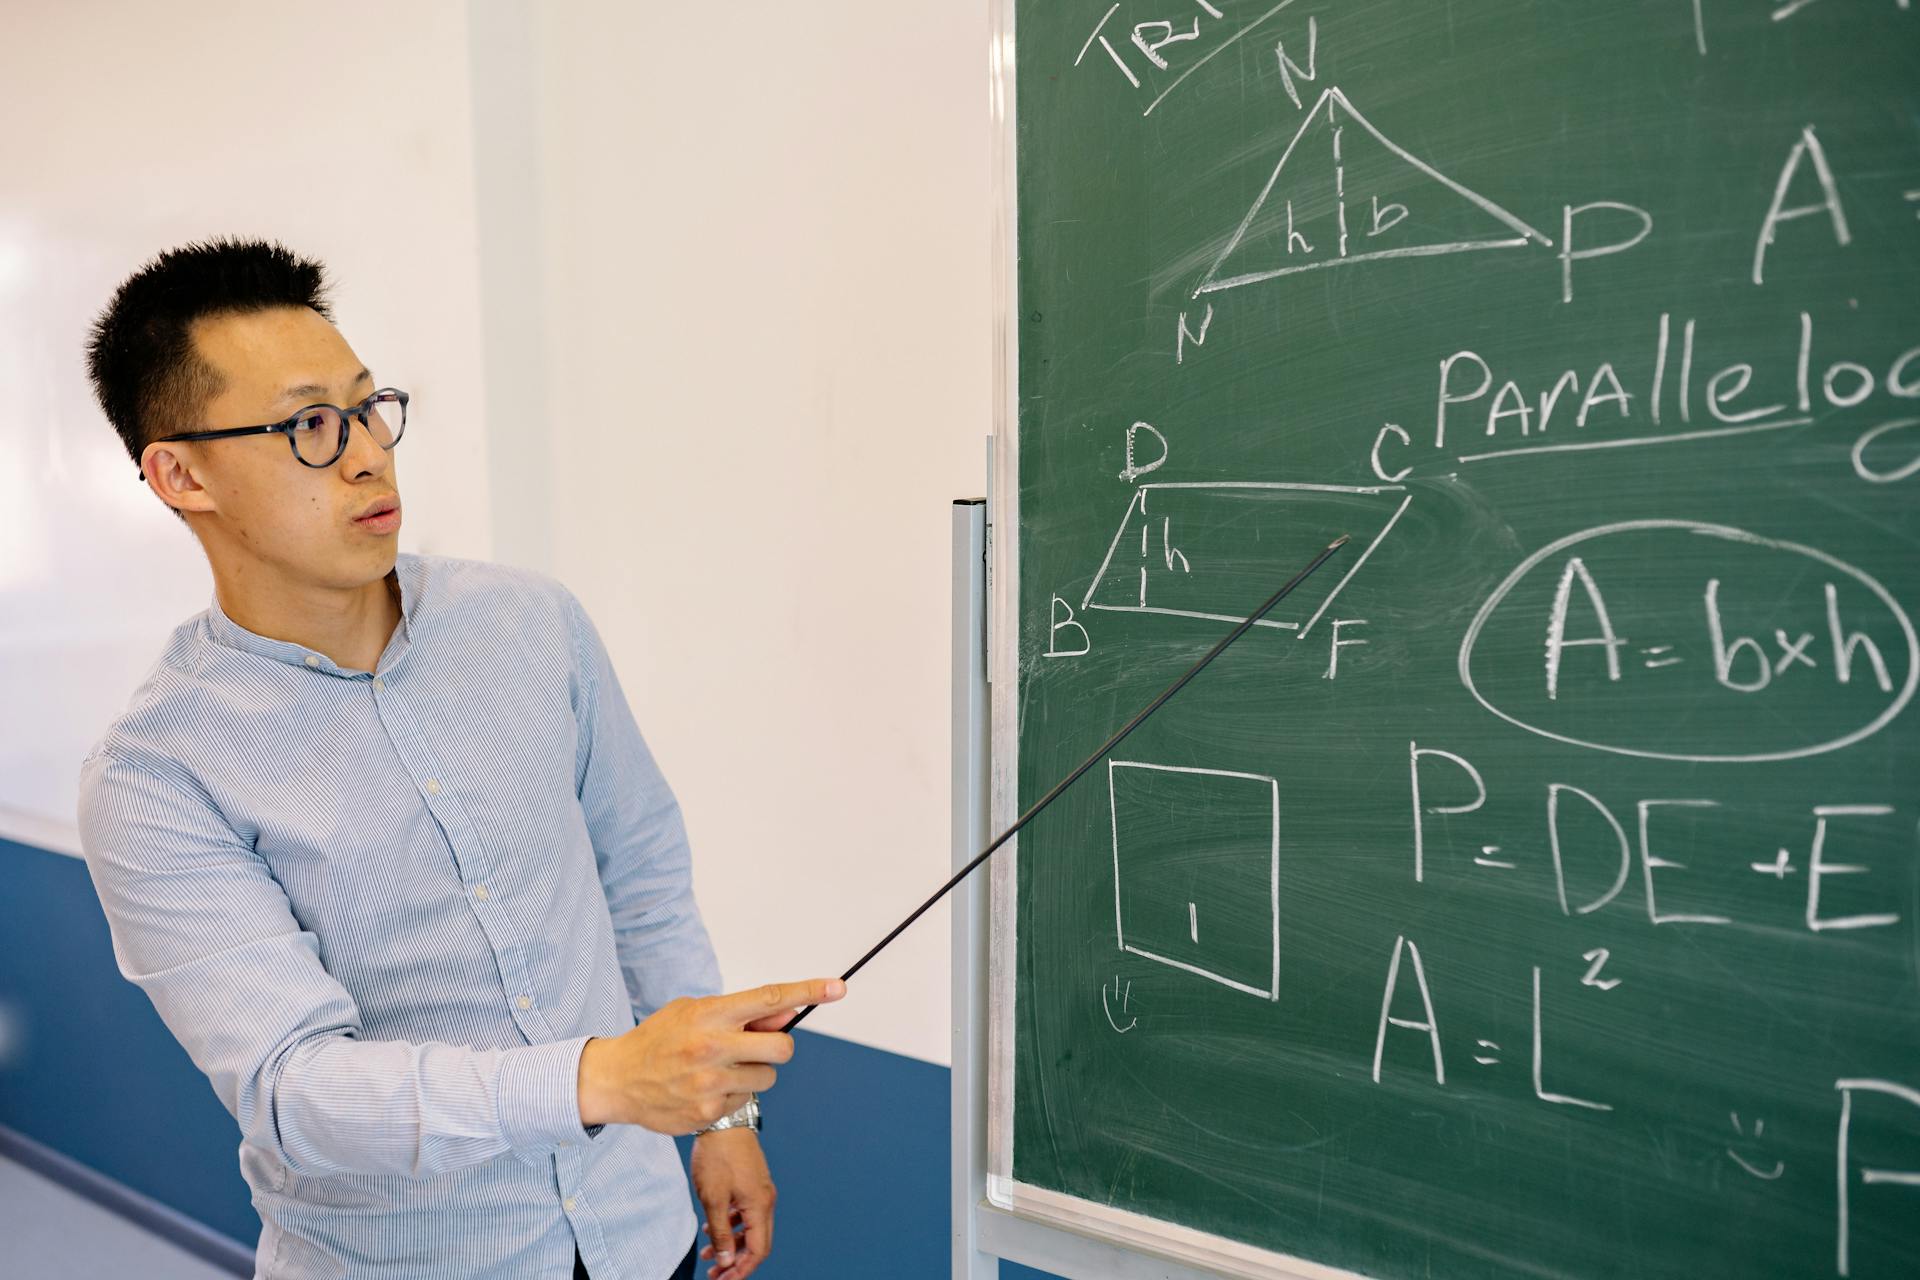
(1196, 871)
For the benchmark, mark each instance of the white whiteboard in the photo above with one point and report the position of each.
(94, 571)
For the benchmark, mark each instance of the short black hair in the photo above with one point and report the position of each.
(148, 377)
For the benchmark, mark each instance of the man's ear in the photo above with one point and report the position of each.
(169, 472)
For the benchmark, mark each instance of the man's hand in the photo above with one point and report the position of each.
(730, 1177)
(695, 1059)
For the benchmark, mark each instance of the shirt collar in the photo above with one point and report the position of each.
(408, 570)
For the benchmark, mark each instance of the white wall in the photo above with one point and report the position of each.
(765, 229)
(132, 128)
(695, 308)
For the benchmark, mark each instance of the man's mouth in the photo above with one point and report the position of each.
(379, 508)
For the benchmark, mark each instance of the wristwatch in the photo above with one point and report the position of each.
(747, 1117)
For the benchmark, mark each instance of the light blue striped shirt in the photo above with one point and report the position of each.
(384, 910)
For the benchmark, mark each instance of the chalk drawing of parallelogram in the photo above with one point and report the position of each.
(1216, 549)
(1343, 192)
(1196, 871)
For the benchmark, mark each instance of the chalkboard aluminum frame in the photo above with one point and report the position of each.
(995, 1216)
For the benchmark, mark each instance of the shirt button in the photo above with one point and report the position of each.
(567, 1204)
(378, 684)
(480, 892)
(312, 661)
(433, 788)
(525, 1002)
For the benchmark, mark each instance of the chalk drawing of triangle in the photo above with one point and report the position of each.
(1343, 193)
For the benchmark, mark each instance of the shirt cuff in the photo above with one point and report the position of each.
(539, 1095)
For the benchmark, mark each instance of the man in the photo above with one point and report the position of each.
(380, 839)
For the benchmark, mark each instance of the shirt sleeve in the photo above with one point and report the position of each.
(639, 838)
(200, 924)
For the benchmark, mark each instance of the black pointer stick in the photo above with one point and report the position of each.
(1087, 764)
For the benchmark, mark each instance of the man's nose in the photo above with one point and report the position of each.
(364, 455)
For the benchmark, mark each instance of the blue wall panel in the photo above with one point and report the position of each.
(92, 1070)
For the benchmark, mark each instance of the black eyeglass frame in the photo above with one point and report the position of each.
(288, 425)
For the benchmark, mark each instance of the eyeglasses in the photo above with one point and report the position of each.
(317, 434)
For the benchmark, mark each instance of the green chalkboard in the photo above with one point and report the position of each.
(1538, 892)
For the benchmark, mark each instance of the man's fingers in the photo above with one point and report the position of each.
(748, 1077)
(720, 1227)
(706, 1250)
(741, 1007)
(755, 1046)
(760, 1234)
(753, 1236)
(773, 1021)
(737, 1217)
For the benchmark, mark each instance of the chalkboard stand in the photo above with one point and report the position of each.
(968, 901)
